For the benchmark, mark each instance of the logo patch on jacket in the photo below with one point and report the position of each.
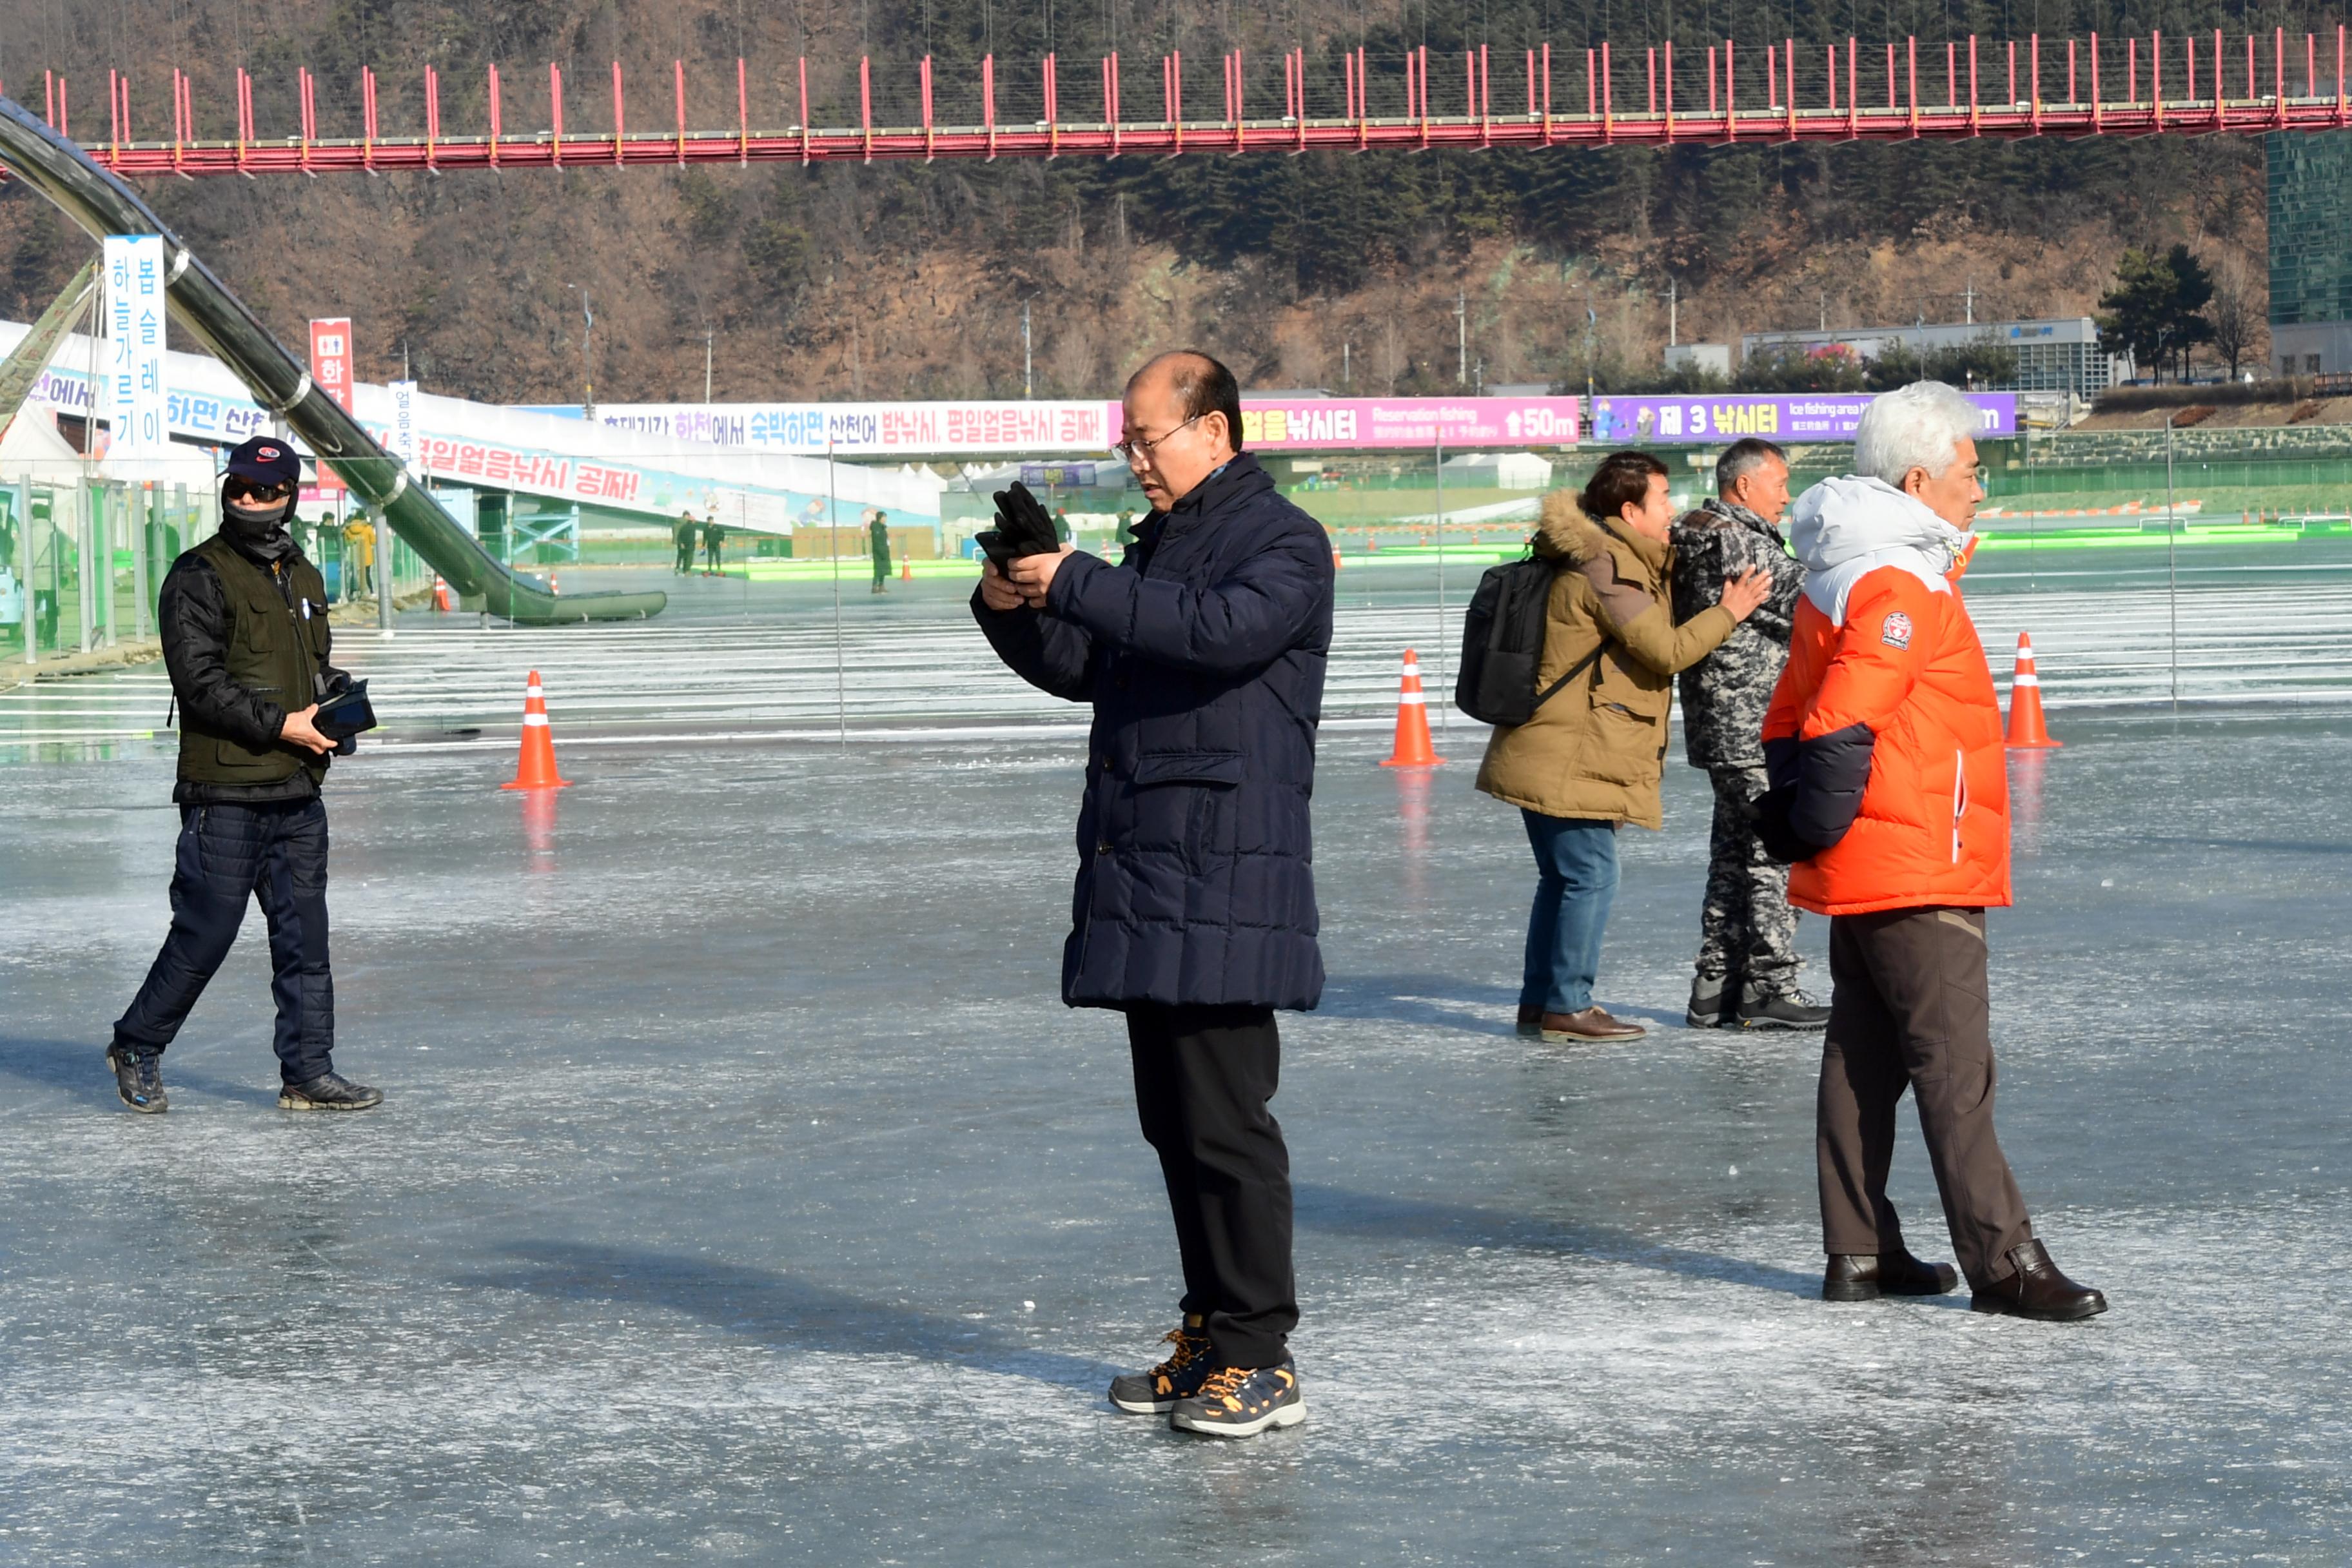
(1896, 631)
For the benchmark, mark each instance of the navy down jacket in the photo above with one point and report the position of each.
(1204, 654)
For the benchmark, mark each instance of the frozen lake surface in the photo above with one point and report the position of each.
(743, 1194)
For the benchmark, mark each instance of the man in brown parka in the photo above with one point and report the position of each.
(1592, 757)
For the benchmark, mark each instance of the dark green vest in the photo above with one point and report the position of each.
(274, 650)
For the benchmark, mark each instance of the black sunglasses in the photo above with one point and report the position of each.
(239, 488)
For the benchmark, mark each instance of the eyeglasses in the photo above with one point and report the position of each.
(239, 488)
(1128, 449)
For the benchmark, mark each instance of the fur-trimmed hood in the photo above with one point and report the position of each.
(1564, 533)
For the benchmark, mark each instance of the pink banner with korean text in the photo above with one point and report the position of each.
(1351, 423)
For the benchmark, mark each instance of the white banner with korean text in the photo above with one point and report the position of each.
(135, 398)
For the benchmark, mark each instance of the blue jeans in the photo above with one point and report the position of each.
(1576, 881)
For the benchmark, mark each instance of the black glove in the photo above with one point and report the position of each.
(1772, 810)
(1022, 528)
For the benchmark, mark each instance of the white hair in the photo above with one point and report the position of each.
(1917, 427)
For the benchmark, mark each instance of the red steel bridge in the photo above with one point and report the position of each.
(2191, 85)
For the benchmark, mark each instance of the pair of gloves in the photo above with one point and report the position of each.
(1022, 528)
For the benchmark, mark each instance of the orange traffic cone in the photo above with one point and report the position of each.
(535, 769)
(906, 570)
(2026, 731)
(1336, 563)
(554, 586)
(1412, 749)
(441, 595)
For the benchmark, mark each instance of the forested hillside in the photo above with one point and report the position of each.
(889, 280)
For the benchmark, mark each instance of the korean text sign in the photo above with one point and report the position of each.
(136, 398)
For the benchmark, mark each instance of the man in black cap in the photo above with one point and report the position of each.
(244, 639)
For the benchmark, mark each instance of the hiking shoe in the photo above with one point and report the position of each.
(1780, 1010)
(138, 1077)
(328, 1092)
(1240, 1402)
(1155, 1392)
(1530, 1022)
(1706, 1009)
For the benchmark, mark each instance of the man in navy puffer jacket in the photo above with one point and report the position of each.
(1204, 654)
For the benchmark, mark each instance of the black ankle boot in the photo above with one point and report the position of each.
(1866, 1277)
(2038, 1291)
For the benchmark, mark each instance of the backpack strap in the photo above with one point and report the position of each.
(1587, 662)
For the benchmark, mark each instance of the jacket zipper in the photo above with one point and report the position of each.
(1960, 798)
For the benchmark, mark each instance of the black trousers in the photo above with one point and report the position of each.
(1909, 1010)
(229, 854)
(1202, 1077)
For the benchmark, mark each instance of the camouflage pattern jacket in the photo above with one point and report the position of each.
(1725, 693)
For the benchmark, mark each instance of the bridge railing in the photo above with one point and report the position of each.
(1537, 97)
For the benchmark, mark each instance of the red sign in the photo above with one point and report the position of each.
(330, 373)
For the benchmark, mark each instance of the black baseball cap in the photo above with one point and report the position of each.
(266, 460)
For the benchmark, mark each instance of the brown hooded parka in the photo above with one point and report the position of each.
(1596, 750)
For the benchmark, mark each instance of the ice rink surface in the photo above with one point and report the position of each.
(743, 1192)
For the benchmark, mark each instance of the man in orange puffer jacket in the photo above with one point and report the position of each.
(1889, 791)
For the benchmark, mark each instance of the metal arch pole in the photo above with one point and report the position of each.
(2171, 565)
(26, 554)
(833, 543)
(1437, 653)
(101, 205)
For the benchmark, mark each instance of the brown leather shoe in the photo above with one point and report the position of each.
(1866, 1276)
(2038, 1291)
(1530, 1020)
(1592, 1024)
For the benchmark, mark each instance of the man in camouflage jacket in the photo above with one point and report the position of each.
(1747, 973)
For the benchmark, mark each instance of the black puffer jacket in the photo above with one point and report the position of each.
(1203, 653)
(193, 616)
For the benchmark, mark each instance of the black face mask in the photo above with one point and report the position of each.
(255, 527)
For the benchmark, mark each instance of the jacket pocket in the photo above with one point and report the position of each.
(1188, 767)
(1621, 746)
(1206, 782)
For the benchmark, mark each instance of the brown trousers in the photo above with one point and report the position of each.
(1908, 1007)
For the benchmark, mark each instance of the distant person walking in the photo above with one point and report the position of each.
(1890, 792)
(245, 643)
(877, 533)
(682, 536)
(1204, 654)
(359, 557)
(714, 540)
(1748, 963)
(1591, 758)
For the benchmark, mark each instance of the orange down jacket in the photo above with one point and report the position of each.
(1883, 739)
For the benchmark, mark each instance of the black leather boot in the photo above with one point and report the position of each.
(2038, 1291)
(1866, 1277)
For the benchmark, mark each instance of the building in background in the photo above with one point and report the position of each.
(2311, 252)
(2060, 353)
(1707, 359)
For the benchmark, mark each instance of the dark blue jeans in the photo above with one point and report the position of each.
(229, 854)
(1576, 881)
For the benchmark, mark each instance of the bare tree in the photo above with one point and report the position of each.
(2239, 331)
